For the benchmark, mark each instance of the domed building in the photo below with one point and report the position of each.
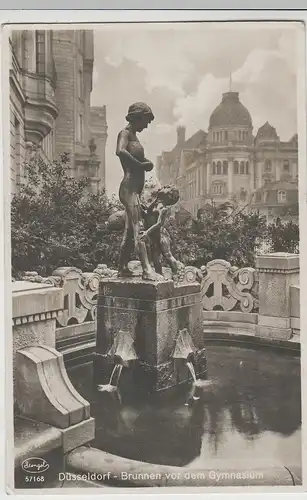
(228, 162)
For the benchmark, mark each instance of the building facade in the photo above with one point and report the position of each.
(50, 88)
(229, 162)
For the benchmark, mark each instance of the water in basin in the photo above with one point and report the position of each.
(249, 414)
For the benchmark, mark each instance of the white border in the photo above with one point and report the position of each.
(51, 16)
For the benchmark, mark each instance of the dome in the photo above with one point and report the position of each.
(267, 132)
(230, 112)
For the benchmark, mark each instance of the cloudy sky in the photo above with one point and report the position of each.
(181, 71)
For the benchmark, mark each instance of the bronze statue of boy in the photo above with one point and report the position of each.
(155, 235)
(134, 164)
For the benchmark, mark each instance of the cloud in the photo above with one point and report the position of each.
(181, 71)
(266, 86)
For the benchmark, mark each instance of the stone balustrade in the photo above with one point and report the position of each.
(249, 300)
(261, 302)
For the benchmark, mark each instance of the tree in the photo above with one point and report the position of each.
(56, 222)
(284, 236)
(223, 231)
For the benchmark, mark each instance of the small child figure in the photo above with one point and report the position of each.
(155, 235)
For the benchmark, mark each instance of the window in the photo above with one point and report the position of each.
(217, 189)
(247, 168)
(213, 168)
(218, 136)
(286, 166)
(282, 196)
(219, 168)
(226, 135)
(268, 166)
(213, 136)
(242, 167)
(17, 45)
(236, 167)
(40, 51)
(225, 167)
(239, 135)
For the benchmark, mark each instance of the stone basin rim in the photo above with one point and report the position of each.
(102, 462)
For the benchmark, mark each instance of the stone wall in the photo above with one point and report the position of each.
(99, 128)
(64, 57)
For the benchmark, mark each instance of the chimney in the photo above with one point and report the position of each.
(180, 136)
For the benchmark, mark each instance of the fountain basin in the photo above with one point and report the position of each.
(248, 418)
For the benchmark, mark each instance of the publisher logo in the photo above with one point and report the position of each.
(35, 465)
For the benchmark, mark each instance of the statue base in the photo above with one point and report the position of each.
(152, 314)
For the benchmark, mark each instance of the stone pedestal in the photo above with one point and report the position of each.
(35, 307)
(277, 272)
(152, 313)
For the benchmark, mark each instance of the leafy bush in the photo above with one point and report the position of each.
(55, 222)
(220, 232)
(284, 236)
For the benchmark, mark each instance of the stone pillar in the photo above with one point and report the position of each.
(42, 389)
(204, 179)
(276, 272)
(251, 176)
(277, 169)
(197, 181)
(208, 178)
(150, 314)
(230, 177)
(35, 308)
(259, 174)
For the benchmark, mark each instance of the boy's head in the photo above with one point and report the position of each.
(168, 195)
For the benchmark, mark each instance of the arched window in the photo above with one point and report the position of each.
(268, 165)
(242, 167)
(226, 135)
(286, 166)
(225, 167)
(219, 168)
(247, 168)
(236, 167)
(217, 188)
(281, 196)
(214, 168)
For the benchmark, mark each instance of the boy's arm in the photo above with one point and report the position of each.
(155, 227)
